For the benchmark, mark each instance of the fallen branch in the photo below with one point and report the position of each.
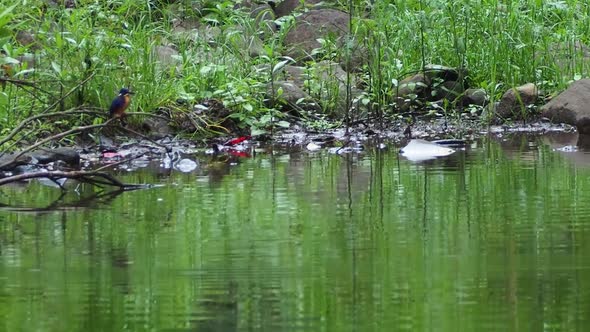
(55, 137)
(91, 177)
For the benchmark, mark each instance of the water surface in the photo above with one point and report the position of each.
(495, 238)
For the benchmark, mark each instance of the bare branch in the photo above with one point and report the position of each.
(58, 136)
(92, 177)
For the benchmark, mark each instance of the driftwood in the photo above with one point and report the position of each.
(95, 177)
(51, 138)
(92, 177)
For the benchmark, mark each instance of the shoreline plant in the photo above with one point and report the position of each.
(219, 50)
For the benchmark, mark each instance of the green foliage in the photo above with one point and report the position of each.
(222, 50)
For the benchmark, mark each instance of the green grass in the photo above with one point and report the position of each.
(502, 43)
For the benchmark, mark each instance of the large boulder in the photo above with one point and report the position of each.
(571, 106)
(514, 102)
(302, 40)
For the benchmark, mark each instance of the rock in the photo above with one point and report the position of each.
(476, 97)
(445, 73)
(192, 30)
(326, 79)
(302, 39)
(293, 96)
(434, 84)
(157, 127)
(167, 56)
(323, 71)
(247, 45)
(27, 39)
(571, 106)
(286, 7)
(412, 89)
(7, 162)
(514, 101)
(449, 90)
(263, 15)
(67, 155)
(418, 85)
(567, 55)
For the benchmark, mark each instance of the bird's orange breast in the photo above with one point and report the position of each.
(127, 101)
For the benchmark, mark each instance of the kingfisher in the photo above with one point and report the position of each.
(120, 104)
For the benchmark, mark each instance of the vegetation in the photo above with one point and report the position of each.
(120, 43)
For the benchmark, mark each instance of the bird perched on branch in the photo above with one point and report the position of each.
(120, 104)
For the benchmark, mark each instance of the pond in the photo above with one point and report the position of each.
(493, 238)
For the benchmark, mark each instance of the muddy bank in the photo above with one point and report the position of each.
(186, 155)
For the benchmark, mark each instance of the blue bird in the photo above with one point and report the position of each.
(120, 104)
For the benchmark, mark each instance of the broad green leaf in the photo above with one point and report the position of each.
(283, 124)
(56, 67)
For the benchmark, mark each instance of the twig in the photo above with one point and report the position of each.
(17, 82)
(60, 100)
(117, 163)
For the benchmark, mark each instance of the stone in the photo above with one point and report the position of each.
(293, 96)
(321, 71)
(514, 102)
(477, 97)
(572, 106)
(263, 15)
(445, 73)
(418, 84)
(167, 56)
(566, 55)
(302, 40)
(412, 90)
(156, 127)
(247, 45)
(326, 80)
(7, 161)
(68, 155)
(449, 90)
(287, 7)
(27, 39)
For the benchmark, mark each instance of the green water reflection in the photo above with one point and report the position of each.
(493, 239)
